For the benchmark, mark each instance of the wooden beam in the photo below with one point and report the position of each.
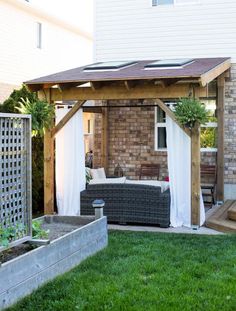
(68, 85)
(93, 109)
(105, 138)
(195, 176)
(95, 85)
(39, 87)
(215, 72)
(67, 117)
(169, 82)
(49, 169)
(141, 92)
(220, 137)
(129, 84)
(171, 114)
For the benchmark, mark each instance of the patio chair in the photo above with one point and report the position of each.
(149, 170)
(208, 182)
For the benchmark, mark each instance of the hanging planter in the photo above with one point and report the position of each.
(190, 111)
(42, 114)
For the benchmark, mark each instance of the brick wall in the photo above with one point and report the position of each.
(131, 140)
(230, 128)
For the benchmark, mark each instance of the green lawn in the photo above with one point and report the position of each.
(147, 271)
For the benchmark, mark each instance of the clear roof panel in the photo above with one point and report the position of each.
(169, 63)
(109, 65)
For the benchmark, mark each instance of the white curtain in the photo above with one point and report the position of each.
(179, 166)
(70, 163)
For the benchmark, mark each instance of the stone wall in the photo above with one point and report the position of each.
(132, 141)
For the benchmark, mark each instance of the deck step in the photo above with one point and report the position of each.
(232, 212)
(218, 220)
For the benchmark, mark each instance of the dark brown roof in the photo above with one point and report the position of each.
(195, 69)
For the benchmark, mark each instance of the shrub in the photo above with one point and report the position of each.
(11, 105)
(189, 111)
(41, 112)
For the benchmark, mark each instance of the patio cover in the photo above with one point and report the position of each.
(136, 82)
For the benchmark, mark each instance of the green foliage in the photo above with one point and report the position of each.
(37, 231)
(208, 137)
(189, 111)
(37, 175)
(11, 105)
(11, 233)
(41, 112)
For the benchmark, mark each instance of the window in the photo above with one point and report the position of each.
(208, 130)
(163, 2)
(169, 63)
(39, 35)
(160, 128)
(113, 65)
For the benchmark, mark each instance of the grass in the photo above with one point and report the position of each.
(147, 271)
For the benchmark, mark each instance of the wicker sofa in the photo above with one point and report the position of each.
(129, 203)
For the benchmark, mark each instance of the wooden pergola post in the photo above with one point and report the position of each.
(220, 137)
(49, 168)
(195, 176)
(105, 138)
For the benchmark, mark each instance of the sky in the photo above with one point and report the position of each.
(78, 12)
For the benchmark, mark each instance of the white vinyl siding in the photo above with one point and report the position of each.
(128, 29)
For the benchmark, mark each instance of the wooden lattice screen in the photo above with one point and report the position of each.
(15, 174)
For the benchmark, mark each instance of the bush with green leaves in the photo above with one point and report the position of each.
(11, 233)
(37, 231)
(11, 105)
(41, 112)
(189, 111)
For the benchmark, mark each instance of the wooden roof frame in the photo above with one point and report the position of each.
(155, 89)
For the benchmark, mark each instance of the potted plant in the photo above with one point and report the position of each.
(190, 111)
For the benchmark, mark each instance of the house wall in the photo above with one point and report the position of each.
(5, 90)
(63, 46)
(230, 134)
(131, 140)
(128, 29)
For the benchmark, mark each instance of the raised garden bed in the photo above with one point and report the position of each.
(73, 239)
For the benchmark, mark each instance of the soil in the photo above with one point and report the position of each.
(56, 230)
(14, 252)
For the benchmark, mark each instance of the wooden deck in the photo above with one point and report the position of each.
(223, 218)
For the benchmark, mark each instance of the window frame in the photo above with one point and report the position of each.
(39, 35)
(163, 124)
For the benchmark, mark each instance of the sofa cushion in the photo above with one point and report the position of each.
(120, 180)
(98, 173)
(162, 184)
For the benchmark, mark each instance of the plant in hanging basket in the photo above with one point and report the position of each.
(41, 112)
(189, 111)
